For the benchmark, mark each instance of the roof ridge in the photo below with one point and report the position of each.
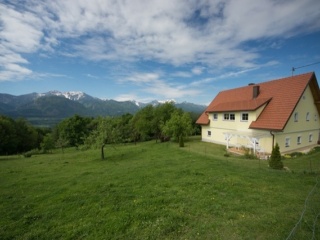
(281, 96)
(267, 81)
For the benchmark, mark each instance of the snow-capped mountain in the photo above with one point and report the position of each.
(55, 105)
(72, 95)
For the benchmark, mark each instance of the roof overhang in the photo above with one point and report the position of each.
(246, 105)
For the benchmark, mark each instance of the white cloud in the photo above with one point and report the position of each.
(144, 78)
(182, 74)
(13, 71)
(92, 76)
(206, 32)
(197, 70)
(205, 81)
(154, 85)
(126, 97)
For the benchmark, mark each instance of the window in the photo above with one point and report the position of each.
(316, 117)
(287, 142)
(296, 117)
(299, 140)
(229, 116)
(244, 117)
(310, 137)
(209, 133)
(308, 116)
(215, 116)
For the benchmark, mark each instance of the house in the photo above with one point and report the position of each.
(284, 111)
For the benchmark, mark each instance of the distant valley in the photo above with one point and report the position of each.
(47, 109)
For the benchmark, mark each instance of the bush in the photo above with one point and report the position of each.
(27, 154)
(248, 154)
(275, 159)
(33, 152)
(296, 154)
(314, 150)
(226, 154)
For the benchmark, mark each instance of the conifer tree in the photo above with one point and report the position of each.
(275, 160)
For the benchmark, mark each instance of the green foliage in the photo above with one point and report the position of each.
(17, 136)
(248, 154)
(74, 129)
(27, 154)
(109, 131)
(296, 154)
(143, 123)
(162, 114)
(62, 143)
(178, 126)
(275, 159)
(47, 143)
(8, 136)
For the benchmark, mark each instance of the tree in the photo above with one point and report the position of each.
(107, 132)
(275, 159)
(47, 143)
(62, 143)
(27, 136)
(74, 130)
(142, 123)
(162, 113)
(178, 126)
(124, 127)
(8, 136)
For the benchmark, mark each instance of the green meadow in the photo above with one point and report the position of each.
(158, 191)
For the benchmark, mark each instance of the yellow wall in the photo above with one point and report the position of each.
(293, 129)
(220, 126)
(301, 127)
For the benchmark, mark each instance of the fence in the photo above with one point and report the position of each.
(307, 227)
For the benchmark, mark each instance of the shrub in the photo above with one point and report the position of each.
(296, 154)
(248, 154)
(27, 154)
(226, 154)
(275, 159)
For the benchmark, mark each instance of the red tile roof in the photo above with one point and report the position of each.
(242, 105)
(281, 97)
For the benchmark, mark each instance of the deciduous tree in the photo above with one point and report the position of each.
(74, 130)
(179, 126)
(107, 132)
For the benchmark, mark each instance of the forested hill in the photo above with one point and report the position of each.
(47, 109)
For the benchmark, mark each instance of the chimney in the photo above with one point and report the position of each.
(256, 90)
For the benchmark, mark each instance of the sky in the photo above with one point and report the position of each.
(182, 50)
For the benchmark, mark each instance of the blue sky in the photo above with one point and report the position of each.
(144, 50)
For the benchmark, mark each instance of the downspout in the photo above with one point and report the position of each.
(272, 139)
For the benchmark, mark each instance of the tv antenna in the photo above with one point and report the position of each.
(294, 68)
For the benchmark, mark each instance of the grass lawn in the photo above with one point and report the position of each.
(157, 191)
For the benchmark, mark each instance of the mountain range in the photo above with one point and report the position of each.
(47, 109)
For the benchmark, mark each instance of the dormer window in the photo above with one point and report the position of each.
(296, 116)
